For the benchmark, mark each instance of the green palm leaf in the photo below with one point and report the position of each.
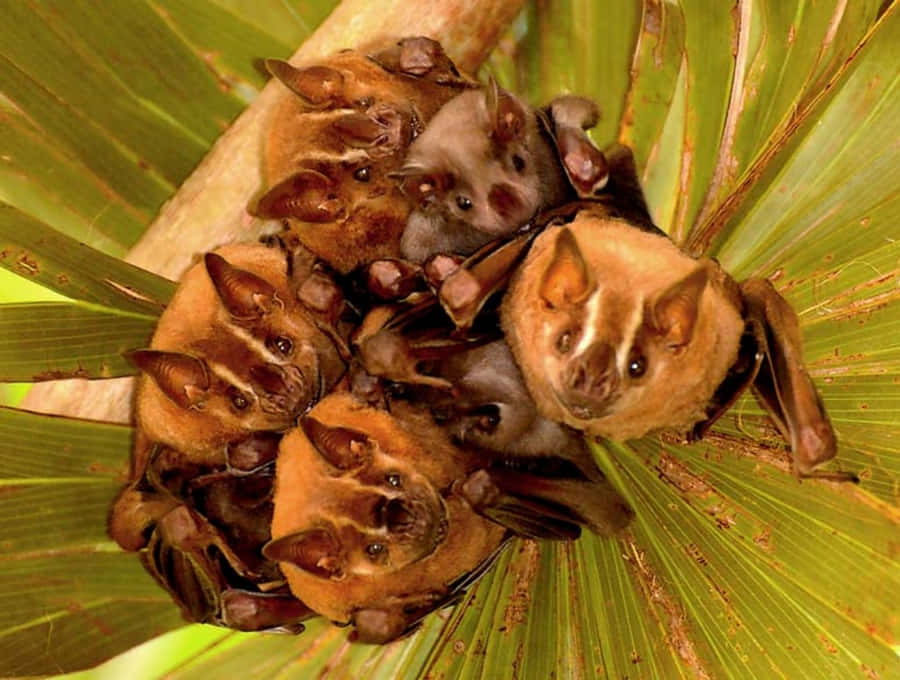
(767, 137)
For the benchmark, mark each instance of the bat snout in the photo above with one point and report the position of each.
(281, 389)
(591, 382)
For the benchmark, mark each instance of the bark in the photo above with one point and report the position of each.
(209, 208)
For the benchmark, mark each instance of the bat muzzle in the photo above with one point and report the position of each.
(590, 382)
(282, 390)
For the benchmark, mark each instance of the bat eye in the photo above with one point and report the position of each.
(464, 202)
(393, 479)
(564, 342)
(282, 344)
(375, 551)
(518, 162)
(637, 366)
(362, 174)
(239, 401)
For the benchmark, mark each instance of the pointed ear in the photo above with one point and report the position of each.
(568, 279)
(783, 386)
(182, 378)
(306, 195)
(506, 114)
(419, 183)
(342, 447)
(317, 551)
(317, 86)
(673, 314)
(244, 294)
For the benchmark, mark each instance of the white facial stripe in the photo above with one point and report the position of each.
(352, 487)
(631, 330)
(590, 328)
(226, 374)
(258, 346)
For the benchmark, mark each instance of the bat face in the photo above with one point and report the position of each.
(235, 352)
(481, 169)
(364, 515)
(617, 332)
(369, 511)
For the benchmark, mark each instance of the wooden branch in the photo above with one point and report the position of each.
(209, 208)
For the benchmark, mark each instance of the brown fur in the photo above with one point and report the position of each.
(629, 269)
(237, 354)
(365, 125)
(619, 333)
(312, 494)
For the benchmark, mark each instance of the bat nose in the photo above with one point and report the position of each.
(592, 379)
(269, 377)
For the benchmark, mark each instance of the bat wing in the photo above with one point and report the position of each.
(783, 385)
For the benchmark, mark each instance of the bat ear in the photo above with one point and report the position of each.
(673, 314)
(306, 195)
(568, 279)
(244, 294)
(182, 378)
(317, 86)
(783, 386)
(342, 447)
(506, 113)
(317, 551)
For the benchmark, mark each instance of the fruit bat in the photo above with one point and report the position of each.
(619, 333)
(199, 529)
(487, 163)
(369, 524)
(237, 350)
(334, 140)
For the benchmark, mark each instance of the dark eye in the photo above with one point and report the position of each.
(393, 479)
(564, 342)
(239, 401)
(637, 366)
(282, 344)
(375, 550)
(362, 174)
(464, 202)
(518, 162)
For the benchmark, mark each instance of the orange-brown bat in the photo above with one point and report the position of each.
(236, 351)
(487, 163)
(332, 145)
(370, 526)
(619, 333)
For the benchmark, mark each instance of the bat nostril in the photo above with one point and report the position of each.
(269, 377)
(397, 515)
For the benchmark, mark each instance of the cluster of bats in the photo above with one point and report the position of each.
(351, 419)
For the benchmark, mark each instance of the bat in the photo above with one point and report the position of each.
(368, 526)
(237, 350)
(619, 334)
(485, 164)
(333, 142)
(199, 529)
